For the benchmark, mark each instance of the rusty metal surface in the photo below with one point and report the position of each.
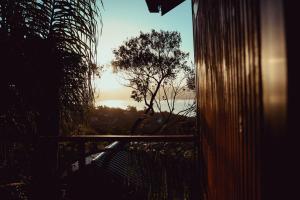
(227, 58)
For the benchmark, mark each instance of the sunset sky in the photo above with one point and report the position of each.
(123, 19)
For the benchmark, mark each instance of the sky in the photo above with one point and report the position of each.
(124, 19)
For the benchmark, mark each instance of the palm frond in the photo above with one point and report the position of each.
(58, 37)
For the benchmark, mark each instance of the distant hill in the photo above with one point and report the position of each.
(105, 120)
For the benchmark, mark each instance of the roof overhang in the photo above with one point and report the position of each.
(163, 6)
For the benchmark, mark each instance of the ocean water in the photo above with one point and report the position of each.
(179, 105)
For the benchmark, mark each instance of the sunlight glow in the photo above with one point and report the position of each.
(123, 20)
(108, 81)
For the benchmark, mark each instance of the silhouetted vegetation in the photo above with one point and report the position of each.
(156, 69)
(105, 120)
(47, 51)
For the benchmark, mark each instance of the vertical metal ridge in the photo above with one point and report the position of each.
(227, 55)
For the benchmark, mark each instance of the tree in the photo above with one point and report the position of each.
(47, 51)
(180, 88)
(151, 63)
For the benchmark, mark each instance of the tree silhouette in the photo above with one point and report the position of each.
(47, 55)
(47, 51)
(151, 62)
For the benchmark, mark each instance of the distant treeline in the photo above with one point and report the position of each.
(105, 120)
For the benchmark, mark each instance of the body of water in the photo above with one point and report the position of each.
(180, 104)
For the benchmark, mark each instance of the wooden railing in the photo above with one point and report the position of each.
(43, 143)
(101, 138)
(123, 138)
(81, 140)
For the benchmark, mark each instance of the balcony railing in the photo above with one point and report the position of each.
(84, 155)
(81, 140)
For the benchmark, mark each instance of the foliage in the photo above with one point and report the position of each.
(47, 55)
(47, 50)
(153, 65)
(167, 168)
(150, 60)
(191, 80)
(105, 120)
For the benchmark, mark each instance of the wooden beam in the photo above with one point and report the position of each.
(125, 138)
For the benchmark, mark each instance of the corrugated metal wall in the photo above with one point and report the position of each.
(227, 56)
(247, 89)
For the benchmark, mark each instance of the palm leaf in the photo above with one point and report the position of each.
(65, 31)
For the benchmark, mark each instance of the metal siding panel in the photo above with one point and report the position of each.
(228, 73)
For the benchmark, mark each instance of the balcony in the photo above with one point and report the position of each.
(124, 169)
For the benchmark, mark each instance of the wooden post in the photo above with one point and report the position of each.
(81, 154)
